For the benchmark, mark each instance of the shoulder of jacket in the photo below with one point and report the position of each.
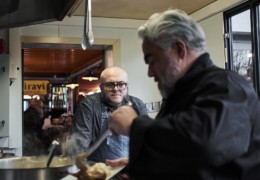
(93, 98)
(135, 100)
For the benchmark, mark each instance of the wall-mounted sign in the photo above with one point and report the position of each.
(33, 87)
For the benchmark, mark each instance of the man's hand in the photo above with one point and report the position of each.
(121, 119)
(117, 162)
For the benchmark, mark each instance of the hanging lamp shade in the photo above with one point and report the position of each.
(72, 85)
(89, 78)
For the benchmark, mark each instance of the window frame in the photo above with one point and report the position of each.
(253, 6)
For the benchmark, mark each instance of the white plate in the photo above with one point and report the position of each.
(114, 171)
(69, 177)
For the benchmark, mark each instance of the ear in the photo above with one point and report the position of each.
(180, 49)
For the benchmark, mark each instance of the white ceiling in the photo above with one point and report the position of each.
(136, 9)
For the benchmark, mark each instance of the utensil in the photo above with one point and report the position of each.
(80, 158)
(84, 36)
(88, 37)
(90, 34)
(52, 151)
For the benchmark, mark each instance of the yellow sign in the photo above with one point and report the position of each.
(35, 87)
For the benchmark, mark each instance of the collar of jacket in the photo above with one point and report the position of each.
(202, 63)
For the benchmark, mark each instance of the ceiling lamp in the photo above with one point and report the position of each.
(72, 85)
(90, 78)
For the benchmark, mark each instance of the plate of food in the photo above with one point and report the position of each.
(97, 171)
(114, 171)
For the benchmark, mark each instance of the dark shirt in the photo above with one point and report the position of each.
(34, 141)
(207, 129)
(90, 122)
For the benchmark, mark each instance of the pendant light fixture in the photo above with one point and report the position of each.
(89, 78)
(72, 85)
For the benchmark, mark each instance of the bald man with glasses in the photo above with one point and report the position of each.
(91, 117)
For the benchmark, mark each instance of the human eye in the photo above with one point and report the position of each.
(121, 84)
(109, 85)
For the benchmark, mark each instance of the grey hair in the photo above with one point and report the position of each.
(168, 27)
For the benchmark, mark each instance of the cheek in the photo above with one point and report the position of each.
(154, 69)
(166, 74)
(160, 69)
(124, 93)
(106, 94)
(172, 74)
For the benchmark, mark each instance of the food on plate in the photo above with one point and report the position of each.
(99, 171)
(98, 168)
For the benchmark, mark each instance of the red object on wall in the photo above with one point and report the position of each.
(2, 46)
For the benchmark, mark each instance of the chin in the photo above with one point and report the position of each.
(116, 100)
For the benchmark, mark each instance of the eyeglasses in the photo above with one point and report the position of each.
(111, 85)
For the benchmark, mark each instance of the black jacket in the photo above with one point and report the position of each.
(209, 128)
(34, 141)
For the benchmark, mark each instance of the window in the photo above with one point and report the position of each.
(242, 41)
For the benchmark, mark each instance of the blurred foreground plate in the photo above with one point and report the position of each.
(114, 171)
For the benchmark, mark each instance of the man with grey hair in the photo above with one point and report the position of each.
(208, 127)
(90, 120)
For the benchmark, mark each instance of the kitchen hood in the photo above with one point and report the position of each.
(17, 13)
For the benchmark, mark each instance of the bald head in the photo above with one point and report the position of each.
(113, 74)
(114, 85)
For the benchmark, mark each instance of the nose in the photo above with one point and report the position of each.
(115, 88)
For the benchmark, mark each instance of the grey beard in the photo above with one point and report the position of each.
(166, 91)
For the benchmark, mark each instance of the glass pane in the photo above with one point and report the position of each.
(242, 46)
